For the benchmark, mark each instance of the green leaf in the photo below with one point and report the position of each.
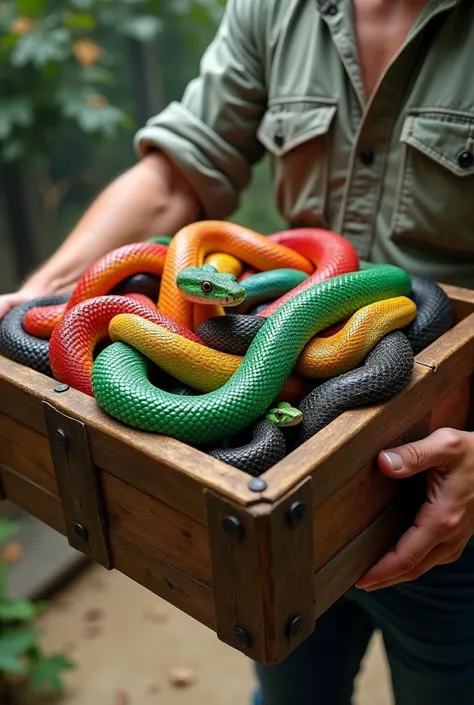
(11, 664)
(12, 151)
(33, 8)
(93, 119)
(144, 28)
(45, 672)
(38, 48)
(83, 4)
(14, 643)
(19, 111)
(4, 569)
(79, 20)
(18, 610)
(96, 75)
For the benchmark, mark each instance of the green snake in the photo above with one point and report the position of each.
(121, 375)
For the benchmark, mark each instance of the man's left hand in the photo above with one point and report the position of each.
(445, 522)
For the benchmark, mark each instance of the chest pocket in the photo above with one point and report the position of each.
(296, 134)
(435, 200)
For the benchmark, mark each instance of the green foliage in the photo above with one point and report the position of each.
(46, 672)
(20, 653)
(54, 68)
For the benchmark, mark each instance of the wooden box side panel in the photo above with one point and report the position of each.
(352, 440)
(368, 493)
(343, 554)
(174, 473)
(168, 535)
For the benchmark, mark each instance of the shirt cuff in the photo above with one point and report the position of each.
(216, 171)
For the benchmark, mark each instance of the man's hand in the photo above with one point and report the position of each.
(445, 522)
(9, 301)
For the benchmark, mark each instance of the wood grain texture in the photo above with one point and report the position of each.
(462, 301)
(181, 590)
(33, 499)
(27, 451)
(453, 410)
(160, 466)
(337, 576)
(78, 485)
(262, 580)
(162, 531)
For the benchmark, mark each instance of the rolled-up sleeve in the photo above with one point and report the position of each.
(211, 134)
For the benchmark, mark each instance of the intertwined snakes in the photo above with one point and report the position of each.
(335, 334)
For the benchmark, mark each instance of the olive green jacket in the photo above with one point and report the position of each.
(395, 174)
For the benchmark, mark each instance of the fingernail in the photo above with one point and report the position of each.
(394, 460)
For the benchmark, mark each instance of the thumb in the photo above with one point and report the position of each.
(412, 458)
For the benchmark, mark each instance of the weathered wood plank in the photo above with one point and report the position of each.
(181, 590)
(33, 499)
(160, 466)
(262, 574)
(28, 452)
(161, 530)
(337, 576)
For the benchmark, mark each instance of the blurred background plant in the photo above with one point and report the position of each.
(23, 664)
(78, 77)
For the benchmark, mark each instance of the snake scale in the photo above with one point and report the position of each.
(333, 322)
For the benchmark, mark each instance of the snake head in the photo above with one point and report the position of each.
(206, 285)
(284, 415)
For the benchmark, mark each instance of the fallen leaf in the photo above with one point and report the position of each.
(94, 614)
(153, 689)
(182, 677)
(157, 614)
(122, 698)
(92, 630)
(87, 52)
(98, 584)
(12, 552)
(70, 647)
(60, 602)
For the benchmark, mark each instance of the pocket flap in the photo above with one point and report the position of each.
(283, 127)
(448, 138)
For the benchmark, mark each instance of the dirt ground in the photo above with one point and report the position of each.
(132, 647)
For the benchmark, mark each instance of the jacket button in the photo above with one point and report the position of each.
(466, 159)
(367, 157)
(332, 10)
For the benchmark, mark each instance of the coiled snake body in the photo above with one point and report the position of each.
(364, 361)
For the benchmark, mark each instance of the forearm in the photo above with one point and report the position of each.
(149, 199)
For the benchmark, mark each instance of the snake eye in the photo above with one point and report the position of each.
(206, 287)
(278, 414)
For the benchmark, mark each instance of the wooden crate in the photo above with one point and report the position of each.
(256, 562)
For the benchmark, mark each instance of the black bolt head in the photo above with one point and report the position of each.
(243, 637)
(296, 513)
(294, 626)
(61, 438)
(233, 527)
(81, 531)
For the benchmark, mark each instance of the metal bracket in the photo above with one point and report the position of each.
(78, 485)
(262, 573)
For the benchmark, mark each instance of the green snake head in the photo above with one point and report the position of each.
(206, 285)
(284, 415)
